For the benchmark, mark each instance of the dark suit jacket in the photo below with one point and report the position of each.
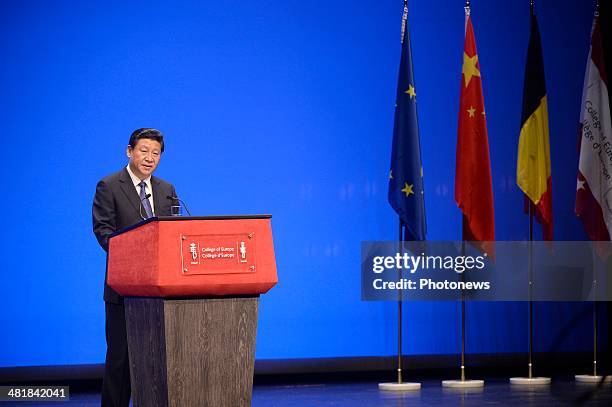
(116, 205)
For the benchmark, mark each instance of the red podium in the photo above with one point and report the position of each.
(192, 287)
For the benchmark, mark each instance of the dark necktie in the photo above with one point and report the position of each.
(144, 200)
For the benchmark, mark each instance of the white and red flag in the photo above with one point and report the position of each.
(594, 187)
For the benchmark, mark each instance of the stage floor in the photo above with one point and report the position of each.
(358, 394)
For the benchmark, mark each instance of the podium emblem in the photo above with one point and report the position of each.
(243, 252)
(193, 248)
(218, 253)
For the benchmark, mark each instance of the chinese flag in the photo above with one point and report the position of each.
(473, 186)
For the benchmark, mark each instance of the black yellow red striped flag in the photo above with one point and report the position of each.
(533, 172)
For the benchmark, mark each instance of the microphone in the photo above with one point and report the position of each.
(147, 196)
(176, 198)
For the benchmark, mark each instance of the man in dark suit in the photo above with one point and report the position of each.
(124, 199)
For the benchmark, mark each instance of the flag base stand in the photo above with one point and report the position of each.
(462, 384)
(528, 381)
(588, 378)
(399, 386)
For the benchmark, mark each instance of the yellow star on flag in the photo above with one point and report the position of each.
(411, 91)
(471, 111)
(469, 68)
(408, 189)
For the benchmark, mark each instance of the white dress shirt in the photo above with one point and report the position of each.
(148, 189)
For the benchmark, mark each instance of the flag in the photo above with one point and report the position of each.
(473, 185)
(406, 173)
(594, 186)
(533, 172)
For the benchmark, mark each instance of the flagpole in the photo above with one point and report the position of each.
(595, 330)
(467, 15)
(463, 314)
(530, 365)
(400, 385)
(530, 380)
(463, 318)
(463, 382)
(594, 378)
(399, 310)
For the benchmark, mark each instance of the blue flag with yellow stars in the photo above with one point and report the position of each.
(406, 194)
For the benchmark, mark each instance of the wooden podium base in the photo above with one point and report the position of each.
(191, 352)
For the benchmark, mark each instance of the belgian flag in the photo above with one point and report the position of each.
(533, 172)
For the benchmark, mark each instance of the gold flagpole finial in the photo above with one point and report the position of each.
(467, 8)
(596, 8)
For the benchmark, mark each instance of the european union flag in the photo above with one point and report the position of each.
(406, 194)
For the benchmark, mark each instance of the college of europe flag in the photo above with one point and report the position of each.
(594, 186)
(406, 194)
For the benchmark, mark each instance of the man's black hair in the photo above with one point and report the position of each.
(148, 133)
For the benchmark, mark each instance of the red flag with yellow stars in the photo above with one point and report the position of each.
(473, 185)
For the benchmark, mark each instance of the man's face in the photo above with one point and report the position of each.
(144, 157)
